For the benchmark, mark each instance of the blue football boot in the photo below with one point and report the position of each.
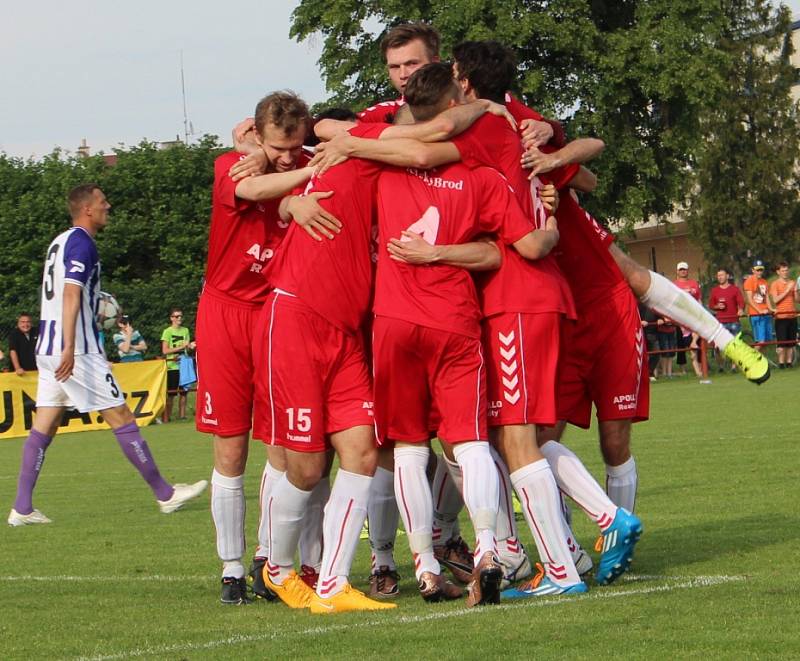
(618, 542)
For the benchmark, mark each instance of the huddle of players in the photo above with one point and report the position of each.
(290, 289)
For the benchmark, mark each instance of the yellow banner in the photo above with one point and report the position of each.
(143, 384)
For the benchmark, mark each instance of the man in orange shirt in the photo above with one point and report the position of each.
(759, 307)
(782, 292)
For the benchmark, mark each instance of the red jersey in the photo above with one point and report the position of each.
(382, 113)
(334, 277)
(582, 250)
(447, 205)
(519, 285)
(242, 238)
(691, 287)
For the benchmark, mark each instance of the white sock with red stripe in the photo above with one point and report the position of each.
(227, 510)
(577, 482)
(384, 518)
(415, 503)
(447, 501)
(669, 299)
(508, 544)
(540, 504)
(286, 509)
(621, 484)
(269, 479)
(311, 533)
(345, 514)
(481, 492)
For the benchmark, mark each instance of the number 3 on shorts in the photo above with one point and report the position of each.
(208, 409)
(113, 384)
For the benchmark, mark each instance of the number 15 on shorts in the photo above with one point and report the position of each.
(299, 420)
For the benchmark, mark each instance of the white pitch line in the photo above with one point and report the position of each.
(108, 579)
(627, 578)
(688, 582)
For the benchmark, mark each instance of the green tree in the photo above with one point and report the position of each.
(745, 200)
(634, 72)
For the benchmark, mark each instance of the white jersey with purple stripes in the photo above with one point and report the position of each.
(71, 259)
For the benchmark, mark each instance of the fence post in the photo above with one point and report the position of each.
(704, 358)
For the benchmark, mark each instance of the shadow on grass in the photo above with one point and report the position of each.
(662, 549)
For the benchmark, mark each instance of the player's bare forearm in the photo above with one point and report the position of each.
(444, 126)
(584, 180)
(577, 151)
(69, 314)
(405, 152)
(69, 319)
(326, 129)
(272, 185)
(538, 243)
(473, 256)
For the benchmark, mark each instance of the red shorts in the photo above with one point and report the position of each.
(224, 365)
(522, 362)
(604, 361)
(312, 379)
(416, 366)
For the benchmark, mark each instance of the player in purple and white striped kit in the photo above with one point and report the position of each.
(73, 370)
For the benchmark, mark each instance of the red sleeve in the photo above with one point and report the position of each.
(381, 113)
(739, 297)
(712, 299)
(224, 186)
(499, 211)
(480, 144)
(520, 111)
(370, 130)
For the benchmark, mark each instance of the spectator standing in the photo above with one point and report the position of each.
(727, 303)
(129, 342)
(650, 324)
(783, 292)
(759, 307)
(22, 346)
(667, 342)
(175, 341)
(686, 338)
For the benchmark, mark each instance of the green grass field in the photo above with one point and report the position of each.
(715, 575)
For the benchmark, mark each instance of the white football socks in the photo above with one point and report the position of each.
(621, 484)
(345, 514)
(577, 482)
(447, 501)
(311, 533)
(286, 509)
(269, 478)
(414, 501)
(542, 509)
(227, 510)
(384, 518)
(481, 492)
(508, 545)
(670, 300)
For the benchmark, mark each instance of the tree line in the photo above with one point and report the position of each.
(692, 97)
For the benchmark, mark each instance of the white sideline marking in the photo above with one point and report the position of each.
(107, 579)
(686, 583)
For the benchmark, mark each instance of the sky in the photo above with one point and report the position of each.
(110, 71)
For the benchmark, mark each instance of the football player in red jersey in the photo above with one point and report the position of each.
(490, 141)
(413, 309)
(245, 231)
